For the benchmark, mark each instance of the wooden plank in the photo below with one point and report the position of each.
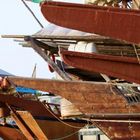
(32, 124)
(48, 60)
(11, 133)
(20, 123)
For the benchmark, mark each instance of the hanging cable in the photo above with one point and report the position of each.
(77, 127)
(67, 136)
(32, 13)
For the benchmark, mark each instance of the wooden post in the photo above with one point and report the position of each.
(21, 124)
(32, 124)
(47, 59)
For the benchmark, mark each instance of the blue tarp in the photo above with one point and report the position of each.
(29, 90)
(26, 90)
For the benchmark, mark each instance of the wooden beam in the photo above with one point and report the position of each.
(90, 38)
(32, 124)
(21, 124)
(47, 59)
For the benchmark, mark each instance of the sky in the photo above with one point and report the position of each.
(15, 19)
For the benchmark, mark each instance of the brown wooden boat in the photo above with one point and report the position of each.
(117, 23)
(110, 109)
(119, 130)
(90, 97)
(121, 67)
(42, 122)
(11, 133)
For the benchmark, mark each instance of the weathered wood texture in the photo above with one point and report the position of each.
(120, 130)
(88, 97)
(22, 126)
(120, 67)
(55, 129)
(117, 23)
(32, 124)
(35, 107)
(10, 133)
(51, 125)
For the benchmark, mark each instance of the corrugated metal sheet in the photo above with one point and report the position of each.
(55, 30)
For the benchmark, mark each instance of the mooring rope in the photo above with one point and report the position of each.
(61, 120)
(67, 136)
(32, 13)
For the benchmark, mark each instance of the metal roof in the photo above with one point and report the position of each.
(55, 30)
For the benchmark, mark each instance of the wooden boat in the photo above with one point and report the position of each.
(117, 23)
(8, 132)
(121, 67)
(119, 130)
(110, 109)
(40, 120)
(103, 98)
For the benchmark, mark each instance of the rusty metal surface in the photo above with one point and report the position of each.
(10, 133)
(117, 23)
(126, 68)
(89, 97)
(119, 130)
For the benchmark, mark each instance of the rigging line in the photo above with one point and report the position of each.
(73, 126)
(32, 13)
(67, 136)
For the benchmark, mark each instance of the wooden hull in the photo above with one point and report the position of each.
(40, 116)
(45, 128)
(10, 133)
(4, 111)
(99, 101)
(55, 129)
(35, 107)
(119, 130)
(89, 97)
(117, 23)
(120, 67)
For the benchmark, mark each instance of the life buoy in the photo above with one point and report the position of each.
(52, 57)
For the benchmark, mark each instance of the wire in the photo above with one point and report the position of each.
(32, 13)
(61, 120)
(67, 136)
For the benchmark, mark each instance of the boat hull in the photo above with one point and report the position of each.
(119, 130)
(97, 101)
(120, 67)
(54, 129)
(46, 121)
(89, 97)
(117, 23)
(10, 133)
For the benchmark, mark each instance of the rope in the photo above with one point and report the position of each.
(67, 136)
(63, 121)
(136, 53)
(32, 14)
